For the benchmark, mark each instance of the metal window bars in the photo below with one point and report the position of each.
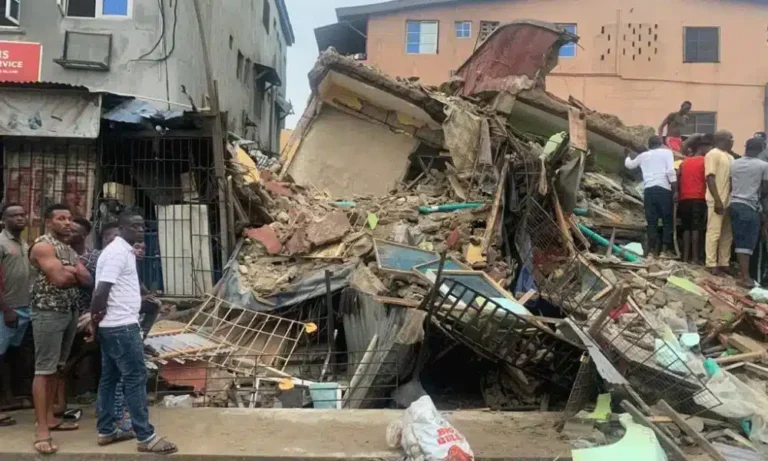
(225, 333)
(498, 334)
(637, 344)
(336, 384)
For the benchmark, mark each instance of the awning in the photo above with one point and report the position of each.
(57, 113)
(346, 37)
(268, 74)
(284, 107)
(138, 112)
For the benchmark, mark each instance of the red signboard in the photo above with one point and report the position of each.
(20, 61)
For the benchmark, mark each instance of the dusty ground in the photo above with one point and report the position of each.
(204, 434)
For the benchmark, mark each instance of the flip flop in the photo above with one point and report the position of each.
(73, 415)
(51, 448)
(7, 421)
(117, 437)
(64, 426)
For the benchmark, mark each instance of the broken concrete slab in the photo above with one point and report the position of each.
(267, 237)
(330, 229)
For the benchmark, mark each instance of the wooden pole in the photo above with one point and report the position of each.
(218, 136)
(665, 441)
(691, 432)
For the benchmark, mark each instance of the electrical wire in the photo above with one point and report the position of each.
(162, 33)
(173, 34)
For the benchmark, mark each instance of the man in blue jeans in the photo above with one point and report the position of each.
(749, 189)
(660, 191)
(115, 309)
(14, 293)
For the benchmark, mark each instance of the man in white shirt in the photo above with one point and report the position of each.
(115, 308)
(660, 184)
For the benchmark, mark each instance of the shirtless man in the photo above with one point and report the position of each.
(675, 122)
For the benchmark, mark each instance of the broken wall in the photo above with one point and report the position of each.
(346, 155)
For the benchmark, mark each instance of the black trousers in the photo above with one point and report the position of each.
(658, 205)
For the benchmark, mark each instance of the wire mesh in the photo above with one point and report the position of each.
(317, 379)
(499, 334)
(637, 342)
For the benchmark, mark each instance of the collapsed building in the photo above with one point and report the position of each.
(484, 223)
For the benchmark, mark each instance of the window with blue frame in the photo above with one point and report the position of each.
(569, 49)
(463, 29)
(421, 37)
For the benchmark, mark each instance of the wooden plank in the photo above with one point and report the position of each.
(561, 224)
(618, 299)
(577, 232)
(744, 343)
(702, 442)
(527, 297)
(756, 369)
(755, 355)
(490, 228)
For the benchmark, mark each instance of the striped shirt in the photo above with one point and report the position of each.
(117, 265)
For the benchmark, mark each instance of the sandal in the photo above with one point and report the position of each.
(73, 415)
(117, 437)
(7, 421)
(64, 426)
(158, 446)
(45, 451)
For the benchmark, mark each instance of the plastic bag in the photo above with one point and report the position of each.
(425, 435)
(178, 401)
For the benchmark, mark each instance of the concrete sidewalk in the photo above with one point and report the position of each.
(208, 434)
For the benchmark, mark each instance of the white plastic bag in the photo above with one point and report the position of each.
(425, 435)
(178, 401)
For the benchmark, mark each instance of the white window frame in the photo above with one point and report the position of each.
(62, 4)
(100, 12)
(456, 30)
(8, 11)
(437, 35)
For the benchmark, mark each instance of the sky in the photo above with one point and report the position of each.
(306, 15)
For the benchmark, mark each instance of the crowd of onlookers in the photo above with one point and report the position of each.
(718, 195)
(62, 289)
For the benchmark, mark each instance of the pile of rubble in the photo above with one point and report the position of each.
(501, 247)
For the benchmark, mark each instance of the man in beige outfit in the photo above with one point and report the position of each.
(717, 169)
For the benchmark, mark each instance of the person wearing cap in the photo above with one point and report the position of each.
(749, 182)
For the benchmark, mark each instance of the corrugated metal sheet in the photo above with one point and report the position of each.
(44, 86)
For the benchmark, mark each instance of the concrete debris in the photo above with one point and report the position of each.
(460, 176)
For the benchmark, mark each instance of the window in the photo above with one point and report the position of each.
(100, 8)
(10, 11)
(702, 44)
(265, 15)
(463, 29)
(701, 122)
(239, 70)
(569, 49)
(62, 4)
(421, 37)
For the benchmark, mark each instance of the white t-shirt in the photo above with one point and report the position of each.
(117, 265)
(658, 166)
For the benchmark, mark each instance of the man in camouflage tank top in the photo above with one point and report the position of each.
(57, 275)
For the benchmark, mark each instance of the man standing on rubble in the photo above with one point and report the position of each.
(749, 181)
(692, 208)
(115, 310)
(660, 190)
(675, 122)
(717, 168)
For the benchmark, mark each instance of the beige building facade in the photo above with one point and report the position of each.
(636, 60)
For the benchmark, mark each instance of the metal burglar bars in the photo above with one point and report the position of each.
(172, 181)
(41, 172)
(501, 335)
(310, 381)
(636, 341)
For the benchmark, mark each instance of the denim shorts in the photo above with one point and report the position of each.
(745, 221)
(12, 337)
(54, 333)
